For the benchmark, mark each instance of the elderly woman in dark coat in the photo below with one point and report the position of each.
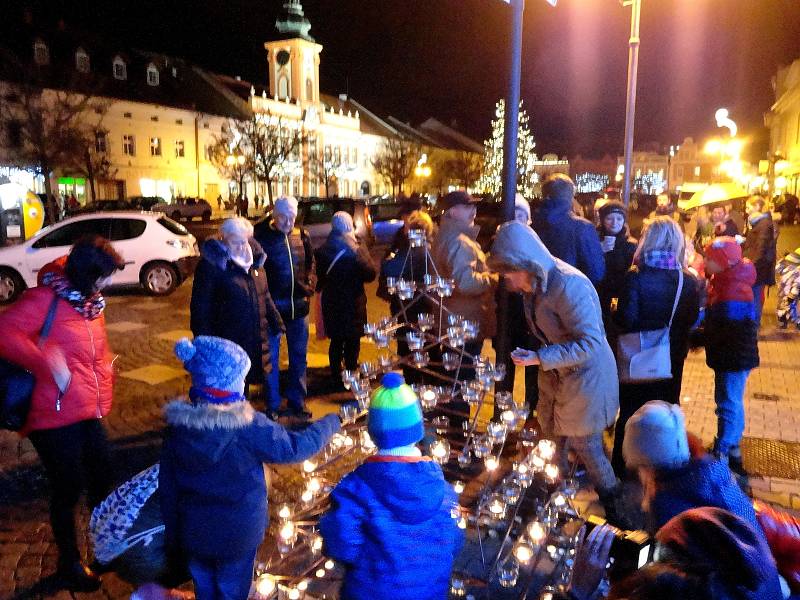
(343, 267)
(230, 295)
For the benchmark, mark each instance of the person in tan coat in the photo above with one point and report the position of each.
(578, 388)
(458, 256)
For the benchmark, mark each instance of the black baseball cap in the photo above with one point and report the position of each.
(458, 197)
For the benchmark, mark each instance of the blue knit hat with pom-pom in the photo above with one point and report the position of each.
(214, 362)
(395, 415)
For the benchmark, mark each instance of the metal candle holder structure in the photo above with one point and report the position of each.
(532, 481)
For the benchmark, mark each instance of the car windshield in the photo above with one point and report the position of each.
(384, 212)
(172, 226)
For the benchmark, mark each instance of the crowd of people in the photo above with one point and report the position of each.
(576, 293)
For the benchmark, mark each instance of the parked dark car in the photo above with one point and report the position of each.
(145, 202)
(314, 214)
(386, 221)
(102, 206)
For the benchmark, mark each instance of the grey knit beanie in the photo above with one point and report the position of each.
(655, 436)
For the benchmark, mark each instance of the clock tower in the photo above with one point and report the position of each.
(293, 62)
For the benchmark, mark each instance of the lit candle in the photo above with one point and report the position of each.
(303, 585)
(287, 531)
(537, 462)
(497, 507)
(309, 466)
(329, 564)
(458, 486)
(320, 573)
(429, 396)
(294, 594)
(440, 450)
(316, 543)
(508, 417)
(491, 463)
(551, 472)
(523, 552)
(307, 496)
(285, 512)
(547, 449)
(314, 485)
(265, 585)
(536, 532)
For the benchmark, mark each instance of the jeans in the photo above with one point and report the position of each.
(297, 343)
(217, 579)
(591, 452)
(729, 398)
(758, 302)
(74, 456)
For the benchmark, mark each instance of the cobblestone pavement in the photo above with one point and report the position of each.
(143, 330)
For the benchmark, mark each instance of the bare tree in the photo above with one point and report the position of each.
(94, 161)
(46, 128)
(395, 160)
(465, 168)
(323, 167)
(274, 144)
(230, 155)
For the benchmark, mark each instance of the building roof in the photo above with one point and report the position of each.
(180, 84)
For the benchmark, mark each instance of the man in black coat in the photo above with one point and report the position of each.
(571, 238)
(760, 246)
(289, 267)
(230, 296)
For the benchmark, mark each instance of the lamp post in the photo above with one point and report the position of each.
(630, 111)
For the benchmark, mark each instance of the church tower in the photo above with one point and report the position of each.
(293, 61)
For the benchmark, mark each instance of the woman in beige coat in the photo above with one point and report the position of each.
(578, 387)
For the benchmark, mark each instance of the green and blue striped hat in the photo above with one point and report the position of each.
(395, 416)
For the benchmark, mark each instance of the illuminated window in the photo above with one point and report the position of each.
(129, 145)
(155, 146)
(697, 171)
(81, 60)
(100, 141)
(179, 149)
(41, 53)
(120, 69)
(152, 75)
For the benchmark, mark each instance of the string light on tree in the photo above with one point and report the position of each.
(492, 178)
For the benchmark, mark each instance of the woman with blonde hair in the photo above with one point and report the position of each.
(646, 302)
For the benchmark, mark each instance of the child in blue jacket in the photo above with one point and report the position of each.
(392, 520)
(211, 481)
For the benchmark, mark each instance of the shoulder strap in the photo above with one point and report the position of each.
(335, 259)
(677, 297)
(48, 321)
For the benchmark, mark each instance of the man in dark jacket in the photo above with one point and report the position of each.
(230, 295)
(568, 237)
(289, 267)
(760, 246)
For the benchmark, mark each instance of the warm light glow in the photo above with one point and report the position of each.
(536, 532)
(547, 449)
(314, 485)
(265, 585)
(320, 573)
(781, 183)
(713, 147)
(723, 120)
(329, 564)
(551, 472)
(523, 552)
(316, 543)
(307, 496)
(303, 585)
(781, 166)
(458, 486)
(491, 463)
(429, 395)
(294, 594)
(309, 466)
(285, 512)
(287, 531)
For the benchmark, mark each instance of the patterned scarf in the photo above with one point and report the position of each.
(661, 259)
(89, 307)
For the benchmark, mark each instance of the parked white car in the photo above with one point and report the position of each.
(159, 253)
(185, 208)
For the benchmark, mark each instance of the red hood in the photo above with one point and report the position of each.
(57, 266)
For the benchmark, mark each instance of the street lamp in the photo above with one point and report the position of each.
(233, 160)
(630, 112)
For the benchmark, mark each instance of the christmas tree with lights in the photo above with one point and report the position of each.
(492, 178)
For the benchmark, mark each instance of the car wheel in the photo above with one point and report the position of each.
(207, 215)
(176, 216)
(159, 278)
(11, 285)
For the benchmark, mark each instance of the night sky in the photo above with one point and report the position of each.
(448, 58)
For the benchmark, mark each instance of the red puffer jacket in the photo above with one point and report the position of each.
(783, 536)
(84, 345)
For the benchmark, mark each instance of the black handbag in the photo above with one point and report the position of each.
(16, 384)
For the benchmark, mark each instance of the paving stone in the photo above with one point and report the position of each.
(153, 374)
(125, 326)
(174, 335)
(151, 305)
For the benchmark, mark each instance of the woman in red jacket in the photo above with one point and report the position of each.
(73, 389)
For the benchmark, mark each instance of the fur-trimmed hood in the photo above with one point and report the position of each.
(216, 252)
(203, 433)
(233, 415)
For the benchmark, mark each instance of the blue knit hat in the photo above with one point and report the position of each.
(214, 362)
(395, 416)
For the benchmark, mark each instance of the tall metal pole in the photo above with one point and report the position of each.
(630, 112)
(509, 189)
(510, 129)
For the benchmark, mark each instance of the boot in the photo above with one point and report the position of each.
(77, 577)
(614, 506)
